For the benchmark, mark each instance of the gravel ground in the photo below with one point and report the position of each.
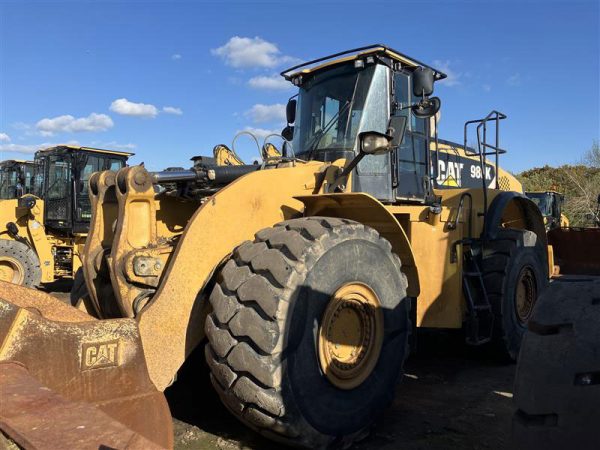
(451, 397)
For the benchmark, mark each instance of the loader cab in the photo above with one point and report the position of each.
(550, 205)
(16, 178)
(61, 180)
(366, 92)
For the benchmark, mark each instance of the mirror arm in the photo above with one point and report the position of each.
(346, 171)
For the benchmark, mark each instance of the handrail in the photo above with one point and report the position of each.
(482, 146)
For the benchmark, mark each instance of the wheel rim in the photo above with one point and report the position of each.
(11, 270)
(351, 335)
(526, 294)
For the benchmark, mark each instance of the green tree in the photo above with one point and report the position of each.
(579, 183)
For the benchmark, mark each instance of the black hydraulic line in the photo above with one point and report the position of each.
(226, 174)
(216, 175)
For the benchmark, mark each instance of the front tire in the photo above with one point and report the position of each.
(19, 264)
(79, 296)
(309, 331)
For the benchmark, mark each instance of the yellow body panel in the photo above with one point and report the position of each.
(454, 153)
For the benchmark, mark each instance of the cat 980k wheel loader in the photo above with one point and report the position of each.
(305, 274)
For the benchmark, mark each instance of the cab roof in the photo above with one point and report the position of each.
(353, 54)
(74, 148)
(15, 161)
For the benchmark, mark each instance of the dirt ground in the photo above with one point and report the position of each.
(451, 397)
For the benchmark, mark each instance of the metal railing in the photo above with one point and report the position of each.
(486, 149)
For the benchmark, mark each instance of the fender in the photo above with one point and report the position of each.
(517, 209)
(29, 223)
(369, 211)
(231, 216)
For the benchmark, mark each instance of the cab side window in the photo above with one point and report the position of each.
(412, 154)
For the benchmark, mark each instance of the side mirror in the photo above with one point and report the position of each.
(288, 133)
(290, 111)
(422, 79)
(374, 143)
(427, 107)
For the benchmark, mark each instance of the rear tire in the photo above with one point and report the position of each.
(270, 362)
(557, 384)
(19, 264)
(515, 273)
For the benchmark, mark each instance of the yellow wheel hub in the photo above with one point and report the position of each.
(11, 270)
(526, 295)
(351, 335)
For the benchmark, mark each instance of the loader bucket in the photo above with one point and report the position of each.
(576, 250)
(68, 380)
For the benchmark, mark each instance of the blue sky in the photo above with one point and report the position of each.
(171, 80)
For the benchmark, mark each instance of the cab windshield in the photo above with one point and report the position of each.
(543, 202)
(332, 109)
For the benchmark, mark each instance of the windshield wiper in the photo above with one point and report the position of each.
(322, 132)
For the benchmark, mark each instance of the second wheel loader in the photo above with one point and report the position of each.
(550, 204)
(304, 275)
(45, 212)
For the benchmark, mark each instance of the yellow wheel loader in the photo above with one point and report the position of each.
(550, 204)
(45, 214)
(304, 275)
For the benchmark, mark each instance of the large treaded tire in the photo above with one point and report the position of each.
(79, 296)
(557, 385)
(262, 333)
(26, 258)
(503, 260)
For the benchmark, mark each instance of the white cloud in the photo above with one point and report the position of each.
(30, 148)
(176, 56)
(244, 52)
(126, 108)
(21, 126)
(453, 78)
(70, 124)
(261, 133)
(4, 137)
(172, 110)
(273, 82)
(514, 79)
(260, 113)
